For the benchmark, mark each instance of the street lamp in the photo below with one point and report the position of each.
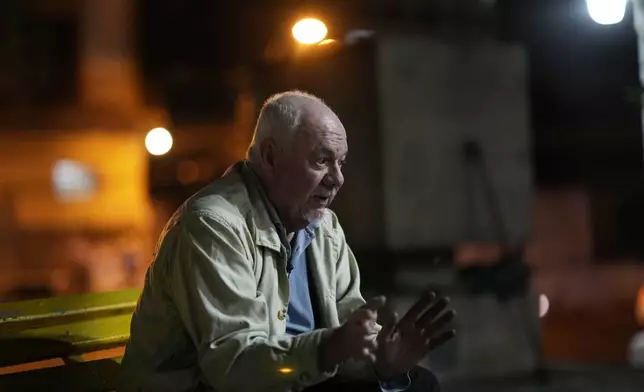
(606, 12)
(158, 141)
(309, 31)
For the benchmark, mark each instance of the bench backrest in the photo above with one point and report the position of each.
(70, 343)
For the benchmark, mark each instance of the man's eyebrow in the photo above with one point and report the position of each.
(323, 151)
(327, 152)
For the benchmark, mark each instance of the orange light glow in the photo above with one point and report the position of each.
(188, 172)
(477, 254)
(309, 31)
(286, 370)
(639, 307)
(327, 42)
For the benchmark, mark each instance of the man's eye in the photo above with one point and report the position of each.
(321, 161)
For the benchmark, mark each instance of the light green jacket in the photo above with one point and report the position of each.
(213, 307)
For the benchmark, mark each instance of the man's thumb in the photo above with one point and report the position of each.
(375, 303)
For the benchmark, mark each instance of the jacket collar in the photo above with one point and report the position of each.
(270, 232)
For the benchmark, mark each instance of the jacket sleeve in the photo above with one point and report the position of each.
(349, 298)
(214, 289)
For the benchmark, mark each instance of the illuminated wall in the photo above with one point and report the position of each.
(115, 161)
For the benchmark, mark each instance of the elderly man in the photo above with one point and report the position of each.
(254, 288)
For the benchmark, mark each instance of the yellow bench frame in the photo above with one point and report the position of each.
(67, 343)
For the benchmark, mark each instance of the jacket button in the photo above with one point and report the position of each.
(281, 315)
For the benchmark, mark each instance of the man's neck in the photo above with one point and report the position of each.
(289, 229)
(273, 211)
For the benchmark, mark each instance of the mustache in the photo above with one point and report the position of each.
(329, 193)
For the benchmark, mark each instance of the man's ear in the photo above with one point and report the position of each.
(267, 152)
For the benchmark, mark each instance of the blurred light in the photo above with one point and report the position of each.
(72, 180)
(636, 351)
(354, 36)
(639, 307)
(544, 305)
(286, 370)
(188, 172)
(309, 31)
(606, 12)
(158, 141)
(327, 41)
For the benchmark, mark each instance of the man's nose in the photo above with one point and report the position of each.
(334, 177)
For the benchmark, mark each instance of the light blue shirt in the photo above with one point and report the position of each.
(300, 317)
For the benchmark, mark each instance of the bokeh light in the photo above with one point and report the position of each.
(309, 31)
(606, 12)
(158, 141)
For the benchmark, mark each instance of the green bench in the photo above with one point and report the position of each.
(67, 343)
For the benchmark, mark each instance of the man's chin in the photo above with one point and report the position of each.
(315, 215)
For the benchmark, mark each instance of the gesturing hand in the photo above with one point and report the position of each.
(355, 339)
(402, 344)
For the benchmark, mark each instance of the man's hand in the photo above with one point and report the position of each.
(355, 338)
(402, 344)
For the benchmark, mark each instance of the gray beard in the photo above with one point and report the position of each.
(314, 215)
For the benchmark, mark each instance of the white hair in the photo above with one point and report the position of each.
(280, 119)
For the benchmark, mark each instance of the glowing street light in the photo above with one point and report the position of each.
(158, 141)
(309, 31)
(606, 12)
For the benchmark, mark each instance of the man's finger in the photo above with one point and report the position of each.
(371, 344)
(433, 311)
(438, 324)
(388, 330)
(433, 326)
(359, 316)
(419, 307)
(375, 303)
(440, 339)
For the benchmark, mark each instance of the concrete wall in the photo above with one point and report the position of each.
(434, 95)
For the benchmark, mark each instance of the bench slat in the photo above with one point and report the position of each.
(64, 340)
(64, 326)
(26, 314)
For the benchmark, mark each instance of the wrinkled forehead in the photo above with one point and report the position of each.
(322, 129)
